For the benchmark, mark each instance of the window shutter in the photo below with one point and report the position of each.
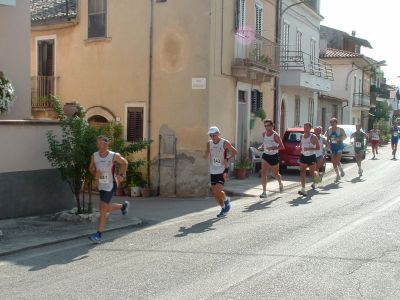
(237, 14)
(259, 18)
(256, 100)
(135, 124)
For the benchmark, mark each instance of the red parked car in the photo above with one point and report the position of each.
(291, 155)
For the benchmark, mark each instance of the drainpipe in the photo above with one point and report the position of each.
(278, 16)
(150, 85)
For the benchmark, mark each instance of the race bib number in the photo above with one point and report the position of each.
(104, 178)
(216, 161)
(333, 140)
(358, 144)
(395, 134)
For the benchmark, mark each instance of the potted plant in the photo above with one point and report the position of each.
(7, 94)
(241, 168)
(260, 113)
(135, 188)
(145, 191)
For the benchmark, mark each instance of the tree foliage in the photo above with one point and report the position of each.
(71, 153)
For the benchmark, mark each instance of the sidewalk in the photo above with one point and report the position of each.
(33, 232)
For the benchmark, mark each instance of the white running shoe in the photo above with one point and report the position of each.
(303, 192)
(337, 178)
(263, 195)
(360, 172)
(341, 172)
(281, 187)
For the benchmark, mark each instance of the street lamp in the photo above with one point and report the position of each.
(379, 63)
(278, 34)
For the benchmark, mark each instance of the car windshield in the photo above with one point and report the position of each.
(293, 137)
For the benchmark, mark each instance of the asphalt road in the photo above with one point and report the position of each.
(341, 242)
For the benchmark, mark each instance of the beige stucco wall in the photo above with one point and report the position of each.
(23, 145)
(14, 55)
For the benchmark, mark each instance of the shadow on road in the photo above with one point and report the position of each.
(198, 228)
(260, 205)
(331, 186)
(357, 179)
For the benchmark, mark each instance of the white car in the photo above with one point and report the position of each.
(348, 150)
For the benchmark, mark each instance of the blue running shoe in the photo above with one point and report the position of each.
(227, 204)
(95, 238)
(125, 208)
(221, 214)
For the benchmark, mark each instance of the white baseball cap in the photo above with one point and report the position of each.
(213, 130)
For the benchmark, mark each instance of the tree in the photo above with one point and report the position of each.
(71, 153)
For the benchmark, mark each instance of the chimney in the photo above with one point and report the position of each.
(323, 45)
(353, 33)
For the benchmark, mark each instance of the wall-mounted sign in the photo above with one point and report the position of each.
(199, 83)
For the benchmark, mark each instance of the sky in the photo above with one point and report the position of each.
(376, 21)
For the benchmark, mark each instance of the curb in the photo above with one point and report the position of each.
(138, 223)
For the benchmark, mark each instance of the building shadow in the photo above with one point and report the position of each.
(260, 205)
(198, 227)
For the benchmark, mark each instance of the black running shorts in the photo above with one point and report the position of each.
(217, 179)
(272, 159)
(308, 160)
(106, 196)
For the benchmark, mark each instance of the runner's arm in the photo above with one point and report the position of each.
(122, 162)
(261, 147)
(232, 150)
(207, 153)
(315, 142)
(92, 168)
(278, 140)
(343, 135)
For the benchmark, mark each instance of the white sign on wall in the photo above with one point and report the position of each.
(199, 83)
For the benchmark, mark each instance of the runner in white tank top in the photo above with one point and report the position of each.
(271, 145)
(375, 138)
(309, 146)
(215, 153)
(323, 143)
(102, 168)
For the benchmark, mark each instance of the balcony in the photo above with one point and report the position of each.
(361, 100)
(299, 69)
(255, 57)
(43, 87)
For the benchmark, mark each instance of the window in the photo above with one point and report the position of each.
(313, 49)
(256, 101)
(335, 112)
(240, 14)
(134, 124)
(285, 45)
(355, 85)
(297, 111)
(311, 110)
(97, 18)
(259, 20)
(299, 37)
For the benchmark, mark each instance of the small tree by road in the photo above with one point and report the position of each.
(71, 152)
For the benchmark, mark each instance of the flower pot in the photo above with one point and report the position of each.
(70, 109)
(240, 173)
(135, 191)
(146, 192)
(119, 191)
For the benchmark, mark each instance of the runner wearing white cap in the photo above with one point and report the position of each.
(215, 153)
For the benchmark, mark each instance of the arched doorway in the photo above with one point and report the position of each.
(97, 121)
(283, 118)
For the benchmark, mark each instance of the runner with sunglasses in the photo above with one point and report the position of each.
(271, 145)
(215, 152)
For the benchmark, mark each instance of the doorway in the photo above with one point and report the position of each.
(243, 125)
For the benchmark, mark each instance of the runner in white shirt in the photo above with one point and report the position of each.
(102, 167)
(374, 136)
(215, 152)
(309, 146)
(271, 145)
(323, 144)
